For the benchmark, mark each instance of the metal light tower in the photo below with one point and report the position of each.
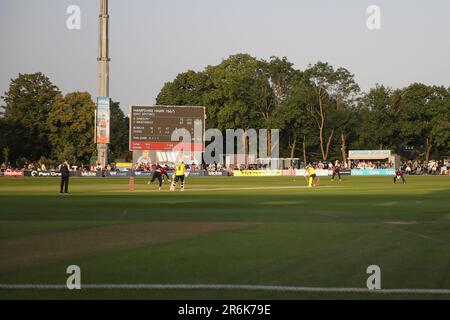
(103, 64)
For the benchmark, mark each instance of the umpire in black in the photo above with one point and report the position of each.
(65, 174)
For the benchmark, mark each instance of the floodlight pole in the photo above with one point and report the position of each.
(103, 63)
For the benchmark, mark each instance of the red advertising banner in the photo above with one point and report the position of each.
(166, 146)
(14, 173)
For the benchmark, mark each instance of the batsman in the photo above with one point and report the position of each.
(180, 169)
(311, 176)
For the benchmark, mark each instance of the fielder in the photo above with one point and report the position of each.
(398, 176)
(157, 175)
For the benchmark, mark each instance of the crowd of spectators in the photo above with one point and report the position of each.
(32, 166)
(320, 165)
(38, 166)
(324, 165)
(5, 166)
(432, 167)
(372, 165)
(147, 166)
(212, 167)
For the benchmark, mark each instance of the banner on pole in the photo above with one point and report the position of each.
(102, 120)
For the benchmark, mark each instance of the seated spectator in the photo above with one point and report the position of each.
(408, 170)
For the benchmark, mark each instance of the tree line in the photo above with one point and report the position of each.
(321, 112)
(40, 124)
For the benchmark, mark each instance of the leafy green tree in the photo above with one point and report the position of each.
(236, 93)
(377, 129)
(29, 102)
(187, 89)
(424, 116)
(119, 145)
(190, 89)
(333, 110)
(241, 94)
(319, 109)
(293, 118)
(281, 74)
(321, 77)
(345, 92)
(440, 121)
(5, 154)
(71, 125)
(12, 139)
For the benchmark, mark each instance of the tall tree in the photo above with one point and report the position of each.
(238, 88)
(244, 95)
(238, 93)
(321, 77)
(281, 75)
(424, 116)
(293, 117)
(345, 91)
(377, 127)
(187, 89)
(336, 96)
(71, 124)
(11, 142)
(119, 145)
(440, 122)
(319, 109)
(29, 101)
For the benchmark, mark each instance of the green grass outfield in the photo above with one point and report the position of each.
(226, 230)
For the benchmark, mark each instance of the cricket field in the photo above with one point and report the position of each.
(234, 236)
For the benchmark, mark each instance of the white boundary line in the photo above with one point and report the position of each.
(221, 287)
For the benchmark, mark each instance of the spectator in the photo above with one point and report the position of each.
(408, 169)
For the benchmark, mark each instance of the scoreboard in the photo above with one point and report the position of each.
(151, 127)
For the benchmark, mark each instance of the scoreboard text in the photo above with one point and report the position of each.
(151, 127)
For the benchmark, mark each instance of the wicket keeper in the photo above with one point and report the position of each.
(164, 172)
(180, 169)
(336, 171)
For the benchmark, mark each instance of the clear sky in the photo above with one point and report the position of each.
(151, 41)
